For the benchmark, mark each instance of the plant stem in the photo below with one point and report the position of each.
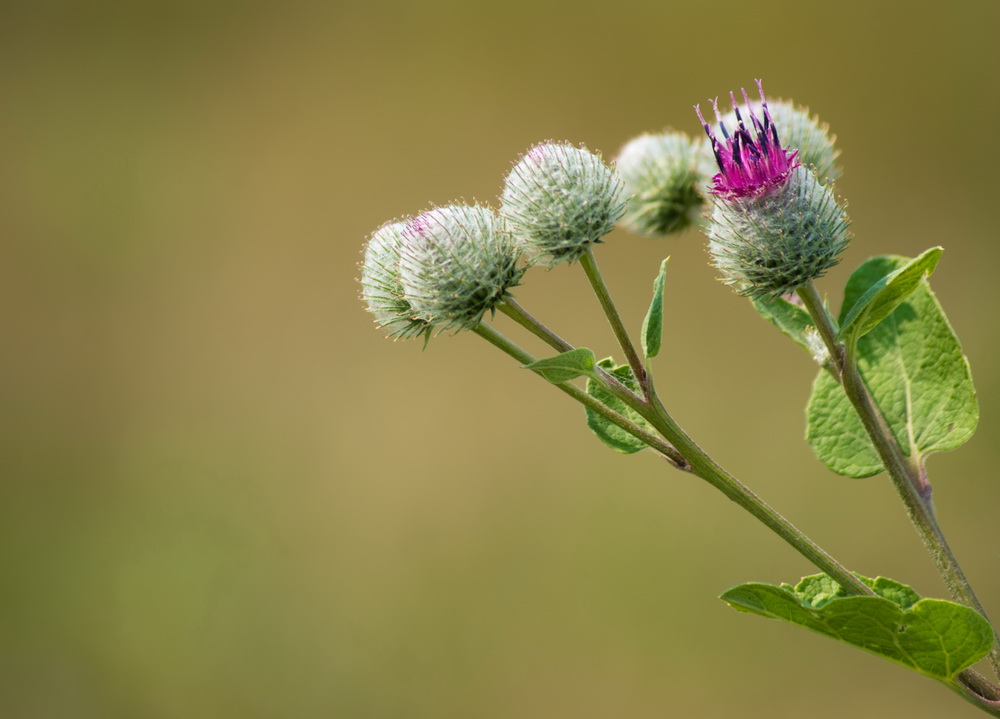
(652, 410)
(589, 265)
(694, 459)
(976, 689)
(498, 340)
(689, 456)
(516, 312)
(705, 467)
(906, 476)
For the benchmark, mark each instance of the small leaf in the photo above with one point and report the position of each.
(914, 368)
(652, 326)
(930, 636)
(612, 435)
(788, 317)
(879, 301)
(564, 367)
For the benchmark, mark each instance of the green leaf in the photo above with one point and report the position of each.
(884, 296)
(612, 435)
(930, 636)
(652, 326)
(563, 367)
(788, 317)
(913, 366)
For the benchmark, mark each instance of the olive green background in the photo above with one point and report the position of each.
(224, 494)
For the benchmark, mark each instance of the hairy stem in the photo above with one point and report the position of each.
(974, 689)
(906, 476)
(652, 410)
(692, 458)
(517, 313)
(705, 467)
(589, 265)
(513, 309)
(685, 454)
(498, 340)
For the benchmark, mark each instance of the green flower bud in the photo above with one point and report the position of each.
(665, 178)
(455, 264)
(380, 287)
(770, 244)
(558, 200)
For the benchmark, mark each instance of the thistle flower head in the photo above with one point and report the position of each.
(751, 161)
(381, 290)
(455, 264)
(771, 244)
(558, 200)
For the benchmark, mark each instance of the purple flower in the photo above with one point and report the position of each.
(751, 164)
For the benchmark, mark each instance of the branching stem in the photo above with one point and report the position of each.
(685, 453)
(681, 451)
(507, 346)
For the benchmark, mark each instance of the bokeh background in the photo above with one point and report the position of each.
(224, 494)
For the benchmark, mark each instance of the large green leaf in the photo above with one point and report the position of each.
(652, 325)
(612, 435)
(930, 636)
(914, 368)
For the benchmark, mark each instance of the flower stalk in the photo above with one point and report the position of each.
(692, 457)
(909, 481)
(589, 265)
(505, 345)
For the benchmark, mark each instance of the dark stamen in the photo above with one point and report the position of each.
(768, 123)
(761, 134)
(718, 159)
(736, 109)
(749, 144)
(708, 128)
(722, 125)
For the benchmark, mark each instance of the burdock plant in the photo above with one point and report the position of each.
(893, 384)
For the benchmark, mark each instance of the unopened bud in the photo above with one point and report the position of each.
(456, 263)
(559, 200)
(663, 182)
(380, 286)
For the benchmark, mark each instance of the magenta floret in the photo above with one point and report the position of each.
(749, 164)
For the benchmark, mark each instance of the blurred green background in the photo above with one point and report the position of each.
(224, 494)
